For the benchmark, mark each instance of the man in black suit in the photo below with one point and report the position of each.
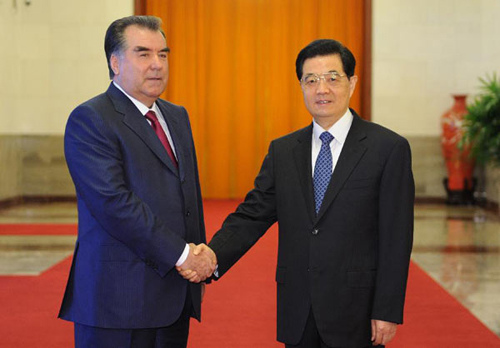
(132, 159)
(342, 192)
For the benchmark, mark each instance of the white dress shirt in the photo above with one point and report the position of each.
(339, 130)
(144, 109)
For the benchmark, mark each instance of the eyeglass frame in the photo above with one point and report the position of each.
(318, 78)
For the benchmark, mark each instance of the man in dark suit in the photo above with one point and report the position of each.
(133, 163)
(342, 192)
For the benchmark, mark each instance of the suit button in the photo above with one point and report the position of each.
(188, 213)
(315, 231)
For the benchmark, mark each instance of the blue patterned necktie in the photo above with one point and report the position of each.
(322, 169)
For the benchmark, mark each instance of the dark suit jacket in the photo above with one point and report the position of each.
(350, 263)
(136, 211)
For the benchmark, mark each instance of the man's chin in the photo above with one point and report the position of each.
(324, 115)
(155, 93)
(154, 86)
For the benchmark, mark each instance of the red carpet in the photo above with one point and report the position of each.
(38, 229)
(238, 311)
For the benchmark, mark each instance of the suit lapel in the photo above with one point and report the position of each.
(352, 151)
(302, 156)
(139, 125)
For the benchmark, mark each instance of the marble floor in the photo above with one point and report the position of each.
(459, 247)
(31, 255)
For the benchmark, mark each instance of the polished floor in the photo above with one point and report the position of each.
(459, 247)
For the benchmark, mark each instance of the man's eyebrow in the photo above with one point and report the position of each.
(329, 71)
(142, 49)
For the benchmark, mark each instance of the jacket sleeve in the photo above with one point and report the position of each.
(396, 200)
(243, 228)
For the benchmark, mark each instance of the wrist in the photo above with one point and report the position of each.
(183, 257)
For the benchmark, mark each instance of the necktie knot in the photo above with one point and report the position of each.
(151, 116)
(326, 138)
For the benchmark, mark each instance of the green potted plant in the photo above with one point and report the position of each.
(482, 133)
(482, 123)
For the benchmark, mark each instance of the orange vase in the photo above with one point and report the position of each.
(460, 184)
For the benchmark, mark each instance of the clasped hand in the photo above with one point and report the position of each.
(200, 263)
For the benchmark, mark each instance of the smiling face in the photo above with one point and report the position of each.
(142, 68)
(327, 103)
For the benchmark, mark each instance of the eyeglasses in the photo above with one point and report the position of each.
(332, 79)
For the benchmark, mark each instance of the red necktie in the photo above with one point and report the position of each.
(151, 116)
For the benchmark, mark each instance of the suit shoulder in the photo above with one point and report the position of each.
(171, 107)
(98, 103)
(97, 113)
(303, 133)
(381, 133)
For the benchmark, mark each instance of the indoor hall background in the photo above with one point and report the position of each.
(422, 52)
(232, 65)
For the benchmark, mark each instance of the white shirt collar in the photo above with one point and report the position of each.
(339, 130)
(142, 108)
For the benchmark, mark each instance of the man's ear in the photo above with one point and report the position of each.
(352, 84)
(115, 64)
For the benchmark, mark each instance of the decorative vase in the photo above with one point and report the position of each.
(460, 166)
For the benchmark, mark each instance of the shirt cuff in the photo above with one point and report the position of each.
(184, 256)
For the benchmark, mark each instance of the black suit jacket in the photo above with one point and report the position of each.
(136, 212)
(350, 262)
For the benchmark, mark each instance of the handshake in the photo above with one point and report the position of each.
(199, 265)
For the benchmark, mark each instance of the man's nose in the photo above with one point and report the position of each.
(322, 86)
(156, 62)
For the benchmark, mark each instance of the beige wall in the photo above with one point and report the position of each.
(52, 60)
(493, 185)
(33, 165)
(423, 52)
(10, 167)
(426, 50)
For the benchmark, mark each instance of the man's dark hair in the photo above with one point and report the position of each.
(326, 47)
(114, 42)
